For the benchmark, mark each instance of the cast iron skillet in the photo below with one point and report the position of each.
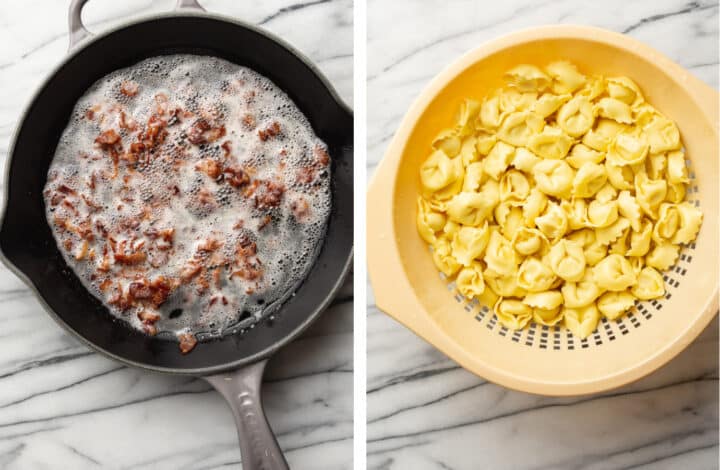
(233, 364)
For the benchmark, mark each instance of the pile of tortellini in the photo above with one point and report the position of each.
(558, 198)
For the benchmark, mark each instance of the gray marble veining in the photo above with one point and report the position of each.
(62, 406)
(424, 411)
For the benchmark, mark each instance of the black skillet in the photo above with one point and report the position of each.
(233, 364)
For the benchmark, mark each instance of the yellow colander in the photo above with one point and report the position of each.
(545, 360)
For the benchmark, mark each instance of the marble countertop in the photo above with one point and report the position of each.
(424, 411)
(62, 406)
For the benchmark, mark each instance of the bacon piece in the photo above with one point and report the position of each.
(91, 204)
(195, 134)
(249, 122)
(65, 189)
(82, 252)
(209, 245)
(56, 199)
(134, 256)
(264, 222)
(236, 177)
(139, 290)
(190, 270)
(129, 88)
(164, 235)
(108, 138)
(154, 293)
(248, 272)
(201, 132)
(127, 122)
(271, 131)
(300, 208)
(305, 175)
(210, 167)
(161, 103)
(227, 148)
(214, 134)
(187, 342)
(245, 249)
(269, 195)
(321, 156)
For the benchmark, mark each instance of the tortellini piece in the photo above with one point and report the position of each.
(514, 187)
(582, 293)
(470, 281)
(614, 273)
(676, 169)
(428, 221)
(566, 77)
(527, 78)
(663, 256)
(498, 160)
(614, 109)
(589, 179)
(649, 193)
(581, 154)
(473, 208)
(650, 284)
(602, 214)
(553, 223)
(545, 306)
(551, 143)
(567, 260)
(581, 321)
(500, 257)
(614, 304)
(627, 149)
(440, 171)
(557, 199)
(528, 241)
(576, 117)
(469, 243)
(443, 258)
(549, 103)
(554, 177)
(625, 90)
(663, 135)
(534, 275)
(518, 127)
(512, 313)
(602, 135)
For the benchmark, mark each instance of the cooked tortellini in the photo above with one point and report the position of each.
(558, 199)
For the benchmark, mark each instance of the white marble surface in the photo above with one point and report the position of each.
(62, 406)
(425, 412)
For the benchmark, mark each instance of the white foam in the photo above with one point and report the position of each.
(213, 89)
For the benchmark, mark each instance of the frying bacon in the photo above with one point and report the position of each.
(270, 131)
(269, 195)
(236, 177)
(210, 167)
(201, 132)
(187, 342)
(129, 88)
(107, 138)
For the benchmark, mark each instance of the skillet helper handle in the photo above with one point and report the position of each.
(78, 31)
(241, 389)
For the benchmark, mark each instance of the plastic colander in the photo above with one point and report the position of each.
(539, 359)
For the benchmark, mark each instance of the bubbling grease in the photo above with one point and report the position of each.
(235, 181)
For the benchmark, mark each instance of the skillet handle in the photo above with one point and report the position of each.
(78, 31)
(241, 389)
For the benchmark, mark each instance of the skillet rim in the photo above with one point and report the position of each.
(198, 371)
